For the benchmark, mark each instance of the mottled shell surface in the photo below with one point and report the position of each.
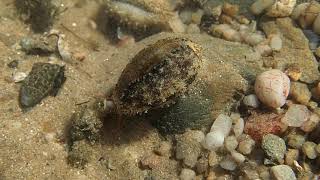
(43, 80)
(157, 75)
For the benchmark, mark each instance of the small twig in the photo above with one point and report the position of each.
(84, 102)
(89, 44)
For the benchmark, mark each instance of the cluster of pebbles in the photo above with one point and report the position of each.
(280, 144)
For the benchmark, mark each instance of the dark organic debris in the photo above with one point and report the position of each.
(43, 80)
(80, 154)
(86, 124)
(39, 13)
(13, 64)
(39, 46)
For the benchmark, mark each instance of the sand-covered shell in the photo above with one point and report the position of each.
(272, 88)
(43, 80)
(141, 14)
(157, 75)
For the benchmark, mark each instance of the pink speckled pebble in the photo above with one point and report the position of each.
(272, 88)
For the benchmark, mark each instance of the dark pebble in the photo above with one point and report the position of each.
(13, 64)
(43, 80)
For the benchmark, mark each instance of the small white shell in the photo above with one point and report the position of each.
(272, 88)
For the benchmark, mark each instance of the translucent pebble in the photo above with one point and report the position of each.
(311, 124)
(272, 88)
(283, 172)
(276, 42)
(296, 115)
(187, 174)
(223, 123)
(213, 140)
(238, 157)
(228, 163)
(251, 101)
(238, 127)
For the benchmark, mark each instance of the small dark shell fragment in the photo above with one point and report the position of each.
(43, 80)
(157, 75)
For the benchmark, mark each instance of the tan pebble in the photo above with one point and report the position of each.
(213, 159)
(193, 29)
(243, 20)
(311, 123)
(216, 12)
(275, 42)
(318, 148)
(307, 17)
(225, 19)
(217, 30)
(317, 52)
(299, 10)
(232, 35)
(150, 161)
(300, 92)
(80, 56)
(211, 176)
(312, 105)
(291, 156)
(230, 9)
(196, 16)
(316, 25)
(260, 5)
(176, 24)
(281, 8)
(316, 92)
(309, 149)
(263, 49)
(294, 72)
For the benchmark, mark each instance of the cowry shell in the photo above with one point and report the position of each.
(272, 88)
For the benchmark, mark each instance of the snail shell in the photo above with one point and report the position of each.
(157, 75)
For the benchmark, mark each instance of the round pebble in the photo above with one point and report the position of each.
(228, 163)
(246, 145)
(213, 140)
(300, 92)
(251, 101)
(296, 115)
(281, 8)
(283, 172)
(296, 140)
(274, 147)
(231, 143)
(318, 148)
(238, 157)
(309, 149)
(272, 88)
(311, 124)
(260, 5)
(187, 174)
(164, 149)
(291, 156)
(238, 127)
